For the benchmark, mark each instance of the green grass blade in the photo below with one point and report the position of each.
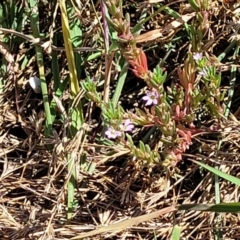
(74, 86)
(56, 79)
(121, 80)
(34, 22)
(226, 176)
(55, 66)
(220, 208)
(75, 31)
(76, 110)
(176, 234)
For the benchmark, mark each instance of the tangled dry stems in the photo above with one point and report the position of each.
(33, 177)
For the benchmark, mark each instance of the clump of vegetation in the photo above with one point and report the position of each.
(118, 109)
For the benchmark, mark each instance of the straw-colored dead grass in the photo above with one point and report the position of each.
(33, 177)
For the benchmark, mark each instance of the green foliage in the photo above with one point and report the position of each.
(91, 91)
(221, 174)
(34, 21)
(166, 122)
(110, 112)
(144, 152)
(158, 78)
(176, 234)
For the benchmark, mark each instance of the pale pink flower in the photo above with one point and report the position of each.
(127, 126)
(203, 73)
(197, 56)
(151, 98)
(111, 133)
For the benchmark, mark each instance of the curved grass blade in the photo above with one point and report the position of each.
(226, 176)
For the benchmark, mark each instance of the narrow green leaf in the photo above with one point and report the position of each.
(221, 207)
(176, 233)
(34, 22)
(142, 146)
(226, 176)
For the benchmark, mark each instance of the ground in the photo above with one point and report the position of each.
(110, 184)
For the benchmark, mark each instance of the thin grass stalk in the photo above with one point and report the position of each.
(108, 56)
(121, 81)
(74, 86)
(227, 50)
(77, 113)
(54, 62)
(34, 22)
(55, 65)
(56, 79)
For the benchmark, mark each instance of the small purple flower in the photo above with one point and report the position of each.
(151, 98)
(127, 126)
(203, 72)
(112, 133)
(197, 56)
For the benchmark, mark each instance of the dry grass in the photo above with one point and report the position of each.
(33, 177)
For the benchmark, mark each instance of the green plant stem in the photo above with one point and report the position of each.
(34, 22)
